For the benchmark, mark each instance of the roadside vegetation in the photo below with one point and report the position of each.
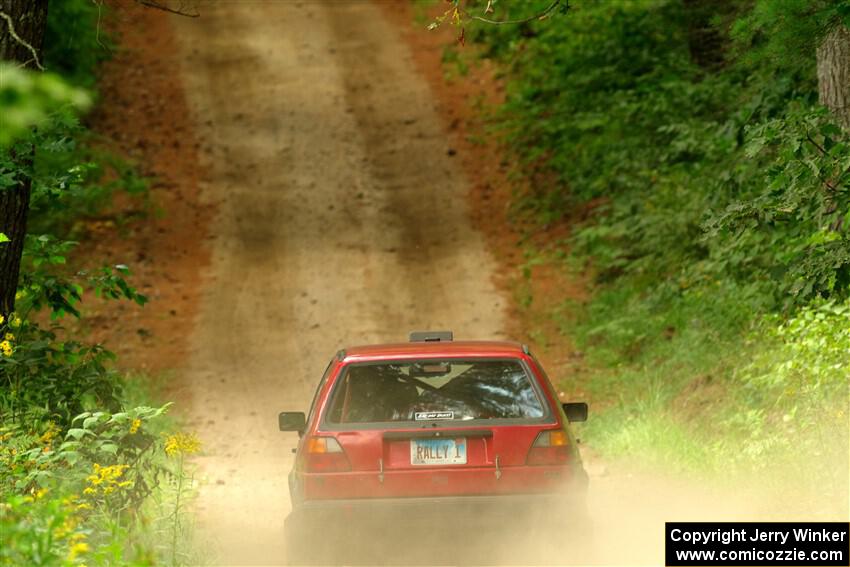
(91, 468)
(704, 172)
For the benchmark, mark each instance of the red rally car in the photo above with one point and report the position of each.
(432, 434)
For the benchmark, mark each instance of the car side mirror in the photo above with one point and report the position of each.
(576, 411)
(292, 421)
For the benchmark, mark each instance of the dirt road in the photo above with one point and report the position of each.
(342, 219)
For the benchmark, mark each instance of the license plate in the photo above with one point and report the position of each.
(438, 451)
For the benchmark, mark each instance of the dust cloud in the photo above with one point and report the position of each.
(626, 510)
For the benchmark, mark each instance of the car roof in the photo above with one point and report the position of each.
(435, 349)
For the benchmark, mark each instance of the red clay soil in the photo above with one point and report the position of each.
(488, 166)
(143, 116)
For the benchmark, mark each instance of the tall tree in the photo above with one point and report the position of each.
(834, 73)
(22, 26)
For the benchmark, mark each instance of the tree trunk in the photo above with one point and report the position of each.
(834, 74)
(29, 19)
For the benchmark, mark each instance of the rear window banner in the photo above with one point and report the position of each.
(433, 415)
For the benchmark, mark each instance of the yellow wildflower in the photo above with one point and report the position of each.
(6, 348)
(48, 436)
(182, 444)
(137, 423)
(84, 505)
(15, 322)
(105, 479)
(2, 319)
(68, 526)
(77, 549)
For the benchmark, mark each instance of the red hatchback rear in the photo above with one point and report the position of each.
(428, 434)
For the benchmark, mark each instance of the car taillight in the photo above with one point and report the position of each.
(324, 454)
(550, 448)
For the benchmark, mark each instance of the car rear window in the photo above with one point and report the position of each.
(434, 390)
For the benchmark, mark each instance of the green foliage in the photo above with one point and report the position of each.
(74, 42)
(42, 286)
(804, 197)
(71, 179)
(808, 368)
(27, 99)
(54, 377)
(92, 440)
(42, 367)
(35, 532)
(66, 186)
(787, 32)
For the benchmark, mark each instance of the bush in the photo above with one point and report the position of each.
(93, 493)
(805, 377)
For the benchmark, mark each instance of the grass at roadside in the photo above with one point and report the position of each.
(726, 398)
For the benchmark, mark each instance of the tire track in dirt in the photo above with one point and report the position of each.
(341, 219)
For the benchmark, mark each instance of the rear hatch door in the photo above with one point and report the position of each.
(437, 427)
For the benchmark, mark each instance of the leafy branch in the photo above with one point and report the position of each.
(159, 6)
(540, 16)
(459, 16)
